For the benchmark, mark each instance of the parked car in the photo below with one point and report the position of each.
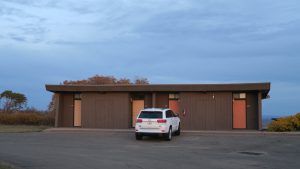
(156, 121)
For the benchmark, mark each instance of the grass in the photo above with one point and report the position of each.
(4, 165)
(21, 129)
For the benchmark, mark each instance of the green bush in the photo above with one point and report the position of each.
(26, 119)
(290, 123)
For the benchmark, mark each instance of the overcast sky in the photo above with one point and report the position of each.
(189, 41)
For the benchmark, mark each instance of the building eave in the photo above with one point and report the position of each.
(264, 88)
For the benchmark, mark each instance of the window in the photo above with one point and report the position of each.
(173, 96)
(239, 95)
(173, 114)
(169, 114)
(77, 96)
(138, 96)
(151, 115)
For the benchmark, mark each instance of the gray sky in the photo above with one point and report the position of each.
(167, 41)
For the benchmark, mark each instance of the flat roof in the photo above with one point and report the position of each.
(233, 87)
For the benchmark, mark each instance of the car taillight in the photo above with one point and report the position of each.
(161, 121)
(139, 120)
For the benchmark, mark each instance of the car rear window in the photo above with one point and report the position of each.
(151, 115)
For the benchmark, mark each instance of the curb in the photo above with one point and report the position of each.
(193, 132)
(61, 130)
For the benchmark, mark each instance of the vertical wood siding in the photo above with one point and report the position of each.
(206, 111)
(259, 107)
(66, 114)
(252, 111)
(162, 100)
(148, 100)
(223, 111)
(106, 110)
(58, 108)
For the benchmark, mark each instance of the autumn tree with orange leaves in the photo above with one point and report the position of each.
(100, 80)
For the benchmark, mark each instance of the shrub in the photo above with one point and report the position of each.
(290, 123)
(298, 124)
(26, 119)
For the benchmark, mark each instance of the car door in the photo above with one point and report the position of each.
(175, 120)
(172, 119)
(169, 117)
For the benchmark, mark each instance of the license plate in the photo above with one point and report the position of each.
(149, 123)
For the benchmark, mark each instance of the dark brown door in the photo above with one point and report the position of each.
(239, 114)
(162, 100)
(67, 114)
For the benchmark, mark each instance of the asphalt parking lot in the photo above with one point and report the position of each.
(94, 150)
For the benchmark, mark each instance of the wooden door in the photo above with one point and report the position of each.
(137, 106)
(174, 105)
(239, 114)
(77, 113)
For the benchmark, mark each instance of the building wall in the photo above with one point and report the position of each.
(148, 100)
(203, 111)
(66, 110)
(206, 111)
(162, 100)
(252, 111)
(106, 110)
(223, 111)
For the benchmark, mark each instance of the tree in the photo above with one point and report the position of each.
(141, 80)
(100, 80)
(12, 101)
(123, 81)
(103, 80)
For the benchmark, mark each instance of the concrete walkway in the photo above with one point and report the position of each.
(234, 132)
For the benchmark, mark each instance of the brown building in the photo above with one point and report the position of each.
(200, 106)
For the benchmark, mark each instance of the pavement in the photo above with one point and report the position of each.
(209, 132)
(94, 149)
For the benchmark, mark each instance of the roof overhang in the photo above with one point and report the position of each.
(264, 88)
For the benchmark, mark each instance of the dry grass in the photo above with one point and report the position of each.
(21, 129)
(26, 118)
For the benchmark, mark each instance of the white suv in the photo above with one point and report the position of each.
(157, 121)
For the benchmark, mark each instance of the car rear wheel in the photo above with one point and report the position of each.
(177, 133)
(138, 137)
(168, 135)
